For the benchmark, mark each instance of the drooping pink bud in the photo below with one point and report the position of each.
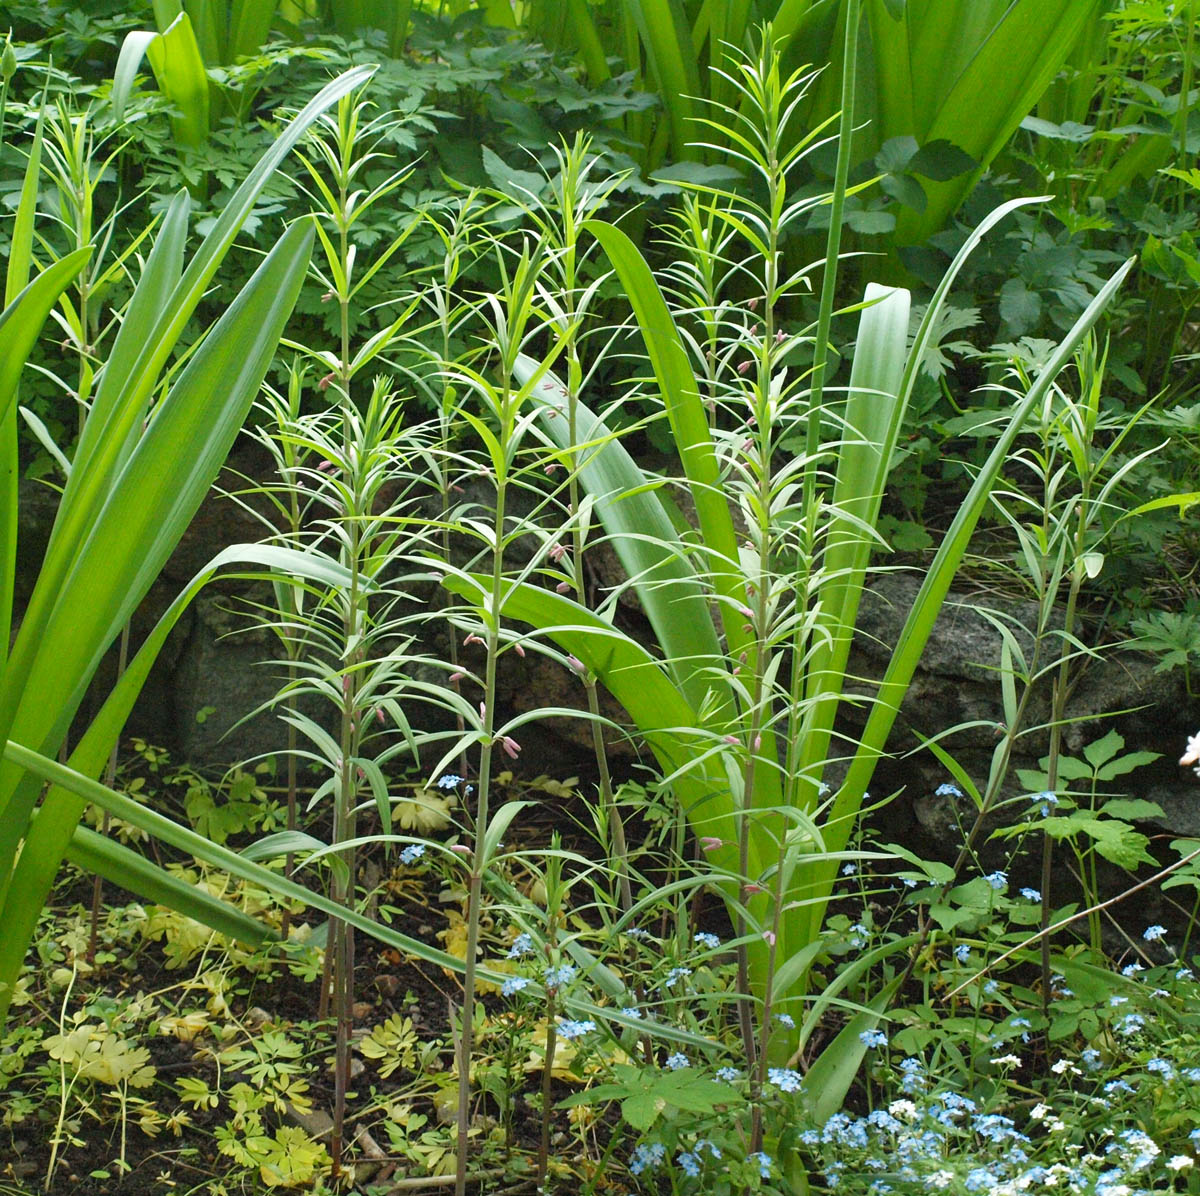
(576, 664)
(562, 587)
(461, 849)
(455, 678)
(520, 651)
(711, 843)
(758, 743)
(472, 639)
(751, 888)
(557, 552)
(744, 366)
(551, 469)
(732, 739)
(511, 747)
(769, 937)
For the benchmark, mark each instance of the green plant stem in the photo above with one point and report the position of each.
(478, 861)
(110, 776)
(833, 247)
(345, 804)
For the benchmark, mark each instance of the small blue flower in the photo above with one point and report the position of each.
(1130, 1024)
(1091, 1058)
(675, 974)
(848, 869)
(1162, 1067)
(570, 1030)
(633, 1011)
(1046, 800)
(962, 952)
(703, 1144)
(946, 789)
(764, 1163)
(636, 932)
(1131, 969)
(785, 1079)
(513, 985)
(1153, 933)
(449, 780)
(873, 1038)
(678, 1061)
(730, 1075)
(412, 853)
(647, 1156)
(689, 1164)
(1031, 895)
(997, 880)
(786, 1019)
(711, 941)
(522, 945)
(556, 977)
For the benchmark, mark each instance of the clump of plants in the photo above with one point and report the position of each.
(707, 977)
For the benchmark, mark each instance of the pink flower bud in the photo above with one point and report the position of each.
(518, 649)
(750, 889)
(455, 678)
(769, 937)
(461, 849)
(511, 747)
(752, 303)
(557, 552)
(576, 664)
(732, 739)
(551, 469)
(744, 366)
(758, 743)
(472, 639)
(562, 587)
(711, 843)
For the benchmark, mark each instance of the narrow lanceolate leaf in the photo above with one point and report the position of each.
(183, 839)
(130, 871)
(179, 69)
(55, 829)
(141, 352)
(151, 504)
(667, 42)
(871, 426)
(643, 537)
(918, 626)
(20, 323)
(689, 422)
(249, 27)
(669, 724)
(978, 68)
